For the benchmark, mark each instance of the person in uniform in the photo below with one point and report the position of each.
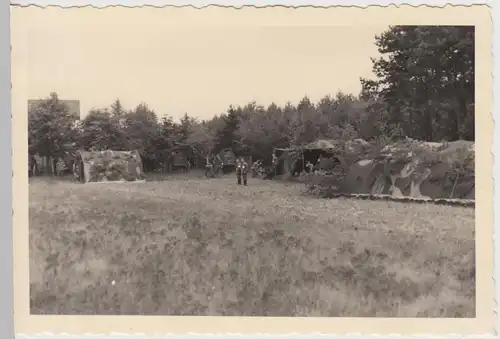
(274, 163)
(255, 168)
(32, 165)
(238, 170)
(275, 160)
(60, 167)
(309, 167)
(244, 170)
(262, 171)
(209, 166)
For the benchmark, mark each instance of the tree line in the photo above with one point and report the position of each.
(423, 88)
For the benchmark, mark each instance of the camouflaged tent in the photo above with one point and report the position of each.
(430, 170)
(225, 160)
(406, 168)
(104, 166)
(227, 157)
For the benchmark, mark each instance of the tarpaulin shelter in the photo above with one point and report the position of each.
(407, 168)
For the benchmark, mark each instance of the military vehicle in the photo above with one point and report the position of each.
(178, 159)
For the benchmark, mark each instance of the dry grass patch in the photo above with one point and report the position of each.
(210, 247)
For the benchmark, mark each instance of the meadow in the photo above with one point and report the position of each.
(196, 246)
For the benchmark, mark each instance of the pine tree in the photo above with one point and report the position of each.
(228, 136)
(117, 109)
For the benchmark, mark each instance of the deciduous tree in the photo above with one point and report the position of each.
(51, 128)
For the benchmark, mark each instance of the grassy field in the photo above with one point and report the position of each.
(210, 247)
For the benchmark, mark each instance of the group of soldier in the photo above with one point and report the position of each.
(258, 168)
(241, 169)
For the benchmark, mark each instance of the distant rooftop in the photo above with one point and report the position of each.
(73, 105)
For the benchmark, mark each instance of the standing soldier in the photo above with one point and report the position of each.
(209, 166)
(255, 168)
(238, 170)
(32, 170)
(309, 167)
(275, 160)
(244, 170)
(60, 167)
(274, 163)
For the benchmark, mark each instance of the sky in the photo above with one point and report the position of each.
(179, 63)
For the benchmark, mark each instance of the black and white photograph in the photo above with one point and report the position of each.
(181, 165)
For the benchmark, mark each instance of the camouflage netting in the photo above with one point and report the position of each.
(405, 168)
(109, 165)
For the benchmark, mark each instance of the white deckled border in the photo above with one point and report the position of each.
(239, 3)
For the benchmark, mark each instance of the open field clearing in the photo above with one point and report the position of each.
(210, 247)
